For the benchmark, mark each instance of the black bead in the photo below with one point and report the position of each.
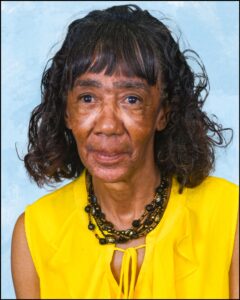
(149, 207)
(97, 213)
(159, 203)
(109, 224)
(136, 223)
(93, 211)
(134, 235)
(97, 207)
(148, 222)
(93, 199)
(110, 239)
(102, 241)
(88, 208)
(131, 233)
(91, 226)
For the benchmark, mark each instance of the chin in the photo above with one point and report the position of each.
(109, 175)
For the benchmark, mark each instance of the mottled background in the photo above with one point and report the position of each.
(30, 30)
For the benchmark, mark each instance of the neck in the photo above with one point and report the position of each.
(124, 201)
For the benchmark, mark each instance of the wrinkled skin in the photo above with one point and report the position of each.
(113, 120)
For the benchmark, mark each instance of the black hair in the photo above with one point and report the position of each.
(129, 40)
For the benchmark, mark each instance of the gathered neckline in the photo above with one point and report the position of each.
(111, 248)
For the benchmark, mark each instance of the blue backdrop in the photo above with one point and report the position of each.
(31, 28)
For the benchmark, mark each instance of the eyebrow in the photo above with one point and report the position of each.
(131, 84)
(117, 84)
(87, 83)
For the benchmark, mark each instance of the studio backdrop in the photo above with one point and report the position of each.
(32, 31)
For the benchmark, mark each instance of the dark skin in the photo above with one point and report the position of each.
(113, 119)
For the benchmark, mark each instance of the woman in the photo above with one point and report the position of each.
(121, 113)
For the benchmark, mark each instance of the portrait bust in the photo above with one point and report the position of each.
(121, 116)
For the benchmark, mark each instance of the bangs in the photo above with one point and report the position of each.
(118, 48)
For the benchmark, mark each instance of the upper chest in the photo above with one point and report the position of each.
(133, 258)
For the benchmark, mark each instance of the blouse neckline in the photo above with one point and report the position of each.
(149, 239)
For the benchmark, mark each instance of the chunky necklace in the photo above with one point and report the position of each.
(140, 227)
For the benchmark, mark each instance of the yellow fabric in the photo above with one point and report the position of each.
(129, 266)
(187, 256)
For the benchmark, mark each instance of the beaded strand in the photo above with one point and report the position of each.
(140, 227)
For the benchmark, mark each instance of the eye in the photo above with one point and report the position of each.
(133, 99)
(85, 98)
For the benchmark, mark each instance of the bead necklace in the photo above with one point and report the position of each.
(140, 227)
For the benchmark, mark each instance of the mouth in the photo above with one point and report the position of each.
(107, 157)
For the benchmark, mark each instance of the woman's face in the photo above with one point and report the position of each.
(113, 120)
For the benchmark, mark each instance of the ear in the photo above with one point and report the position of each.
(67, 119)
(162, 118)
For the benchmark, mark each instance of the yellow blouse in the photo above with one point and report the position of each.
(187, 255)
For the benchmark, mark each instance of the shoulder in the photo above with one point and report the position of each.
(213, 208)
(56, 197)
(22, 266)
(218, 183)
(19, 241)
(50, 216)
(214, 188)
(214, 199)
(47, 214)
(60, 200)
(18, 230)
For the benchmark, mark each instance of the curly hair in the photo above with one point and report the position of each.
(131, 40)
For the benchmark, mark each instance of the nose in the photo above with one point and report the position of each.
(108, 121)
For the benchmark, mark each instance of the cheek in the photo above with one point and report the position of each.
(141, 134)
(141, 126)
(81, 121)
(80, 127)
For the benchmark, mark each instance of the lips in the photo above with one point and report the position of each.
(108, 157)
